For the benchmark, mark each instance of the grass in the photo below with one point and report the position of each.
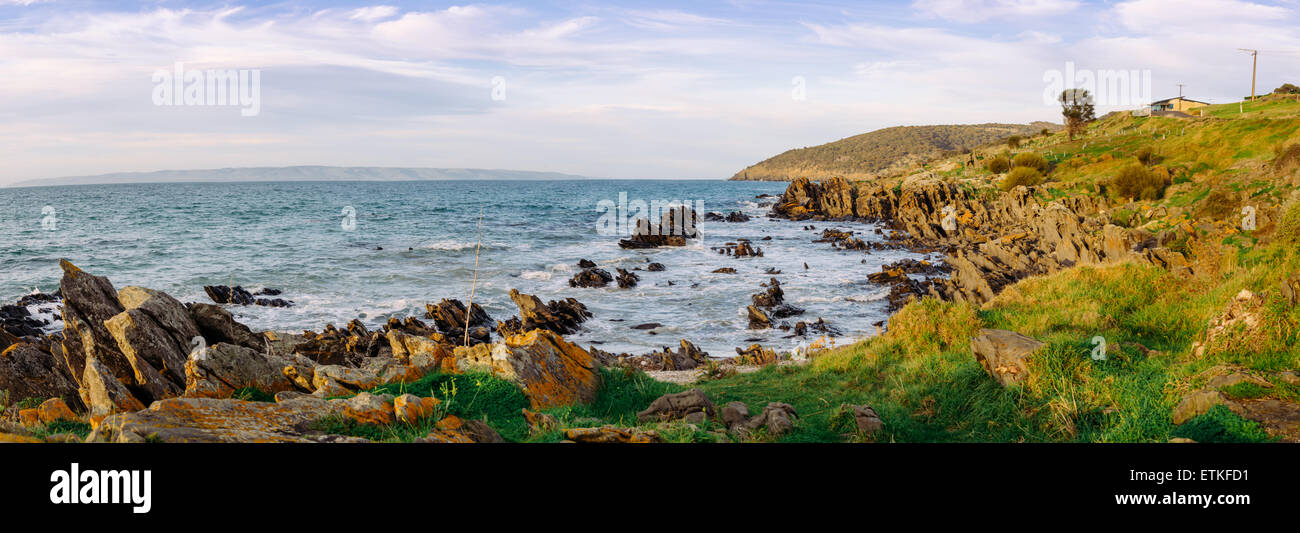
(80, 429)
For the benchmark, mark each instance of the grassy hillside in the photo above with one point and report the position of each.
(882, 152)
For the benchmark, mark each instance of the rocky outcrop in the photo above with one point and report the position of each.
(32, 371)
(221, 369)
(611, 435)
(1003, 354)
(687, 357)
(240, 296)
(155, 333)
(562, 317)
(757, 318)
(776, 420)
(216, 325)
(627, 280)
(675, 227)
(591, 278)
(220, 420)
(755, 355)
(547, 369)
(692, 403)
(734, 216)
(988, 243)
(450, 318)
(454, 430)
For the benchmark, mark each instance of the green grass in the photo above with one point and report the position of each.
(1220, 424)
(80, 429)
(253, 394)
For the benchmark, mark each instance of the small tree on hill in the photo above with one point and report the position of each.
(1077, 108)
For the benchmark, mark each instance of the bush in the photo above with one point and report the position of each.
(1026, 176)
(1146, 155)
(1138, 182)
(1288, 229)
(1013, 142)
(999, 164)
(1218, 205)
(1287, 88)
(1045, 132)
(1032, 160)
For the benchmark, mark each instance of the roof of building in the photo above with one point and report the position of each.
(1167, 100)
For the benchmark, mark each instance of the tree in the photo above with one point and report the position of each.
(1076, 107)
(1287, 88)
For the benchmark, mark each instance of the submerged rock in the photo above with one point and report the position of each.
(591, 278)
(240, 296)
(675, 227)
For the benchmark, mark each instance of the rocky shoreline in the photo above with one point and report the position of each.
(987, 243)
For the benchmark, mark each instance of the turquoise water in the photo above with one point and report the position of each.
(291, 236)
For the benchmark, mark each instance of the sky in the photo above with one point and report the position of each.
(656, 89)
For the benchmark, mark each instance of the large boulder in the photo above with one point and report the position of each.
(220, 420)
(548, 369)
(216, 325)
(28, 371)
(154, 332)
(1003, 354)
(223, 368)
(679, 405)
(88, 301)
(103, 394)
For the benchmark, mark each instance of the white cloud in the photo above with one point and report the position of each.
(373, 13)
(1006, 11)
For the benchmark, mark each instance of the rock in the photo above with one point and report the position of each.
(562, 317)
(725, 270)
(88, 301)
(367, 408)
(734, 414)
(103, 394)
(154, 332)
(410, 408)
(755, 355)
(549, 370)
(453, 430)
(583, 263)
(655, 267)
(786, 311)
(771, 297)
(424, 353)
(334, 347)
(674, 228)
(240, 296)
(218, 420)
(776, 418)
(627, 280)
(1198, 403)
(449, 316)
(685, 358)
(734, 216)
(216, 325)
(591, 278)
(226, 368)
(540, 422)
(674, 406)
(27, 371)
(1003, 354)
(865, 419)
(51, 410)
(758, 319)
(611, 435)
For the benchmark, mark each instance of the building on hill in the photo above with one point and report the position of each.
(1179, 104)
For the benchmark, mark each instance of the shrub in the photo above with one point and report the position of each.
(1026, 176)
(1146, 155)
(1218, 205)
(999, 164)
(1032, 160)
(1013, 142)
(1045, 132)
(1288, 229)
(1287, 88)
(1138, 182)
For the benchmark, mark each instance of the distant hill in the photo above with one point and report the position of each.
(302, 173)
(879, 152)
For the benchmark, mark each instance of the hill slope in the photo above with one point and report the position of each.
(870, 155)
(301, 173)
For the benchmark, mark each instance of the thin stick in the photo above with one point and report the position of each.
(469, 308)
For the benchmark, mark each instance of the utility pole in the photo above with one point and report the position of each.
(1254, 54)
(1180, 91)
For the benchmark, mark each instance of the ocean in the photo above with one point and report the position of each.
(412, 243)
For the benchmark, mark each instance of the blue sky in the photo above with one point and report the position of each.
(624, 90)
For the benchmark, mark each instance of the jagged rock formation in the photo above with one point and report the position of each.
(674, 228)
(988, 243)
(685, 358)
